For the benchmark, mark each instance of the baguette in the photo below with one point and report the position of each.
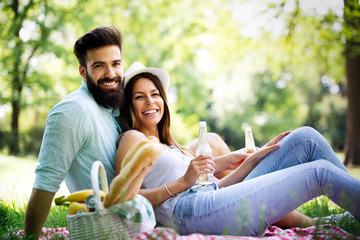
(136, 148)
(135, 185)
(126, 183)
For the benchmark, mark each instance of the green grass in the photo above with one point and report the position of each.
(17, 175)
(322, 207)
(16, 179)
(12, 218)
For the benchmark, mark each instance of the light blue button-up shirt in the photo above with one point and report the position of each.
(78, 132)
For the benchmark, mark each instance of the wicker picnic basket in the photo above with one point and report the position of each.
(102, 223)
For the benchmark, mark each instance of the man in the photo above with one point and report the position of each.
(81, 128)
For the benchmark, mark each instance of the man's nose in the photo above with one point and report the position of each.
(110, 72)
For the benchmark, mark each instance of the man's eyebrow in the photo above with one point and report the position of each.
(102, 62)
(97, 62)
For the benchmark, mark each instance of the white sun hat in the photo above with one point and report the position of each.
(138, 67)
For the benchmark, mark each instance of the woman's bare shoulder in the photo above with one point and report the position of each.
(134, 135)
(130, 138)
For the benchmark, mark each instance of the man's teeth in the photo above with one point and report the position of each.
(108, 83)
(150, 112)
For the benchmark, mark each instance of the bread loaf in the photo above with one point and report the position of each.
(136, 164)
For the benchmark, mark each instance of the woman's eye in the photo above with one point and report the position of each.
(138, 97)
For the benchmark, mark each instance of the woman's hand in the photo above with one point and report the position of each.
(261, 153)
(273, 144)
(200, 165)
(278, 138)
(251, 161)
(236, 158)
(229, 162)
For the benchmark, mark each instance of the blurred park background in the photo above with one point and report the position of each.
(272, 64)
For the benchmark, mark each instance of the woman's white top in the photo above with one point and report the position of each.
(172, 164)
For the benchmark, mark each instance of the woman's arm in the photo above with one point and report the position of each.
(251, 162)
(199, 165)
(226, 163)
(246, 167)
(158, 195)
(225, 160)
(130, 139)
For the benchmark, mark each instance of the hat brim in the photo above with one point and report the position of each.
(160, 73)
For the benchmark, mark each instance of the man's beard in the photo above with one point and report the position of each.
(108, 98)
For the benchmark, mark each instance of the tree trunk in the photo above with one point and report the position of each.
(352, 58)
(20, 69)
(15, 101)
(15, 104)
(14, 145)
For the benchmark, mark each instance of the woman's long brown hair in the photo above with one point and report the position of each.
(130, 121)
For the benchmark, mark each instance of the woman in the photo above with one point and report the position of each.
(265, 189)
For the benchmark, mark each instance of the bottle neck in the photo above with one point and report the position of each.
(203, 147)
(203, 135)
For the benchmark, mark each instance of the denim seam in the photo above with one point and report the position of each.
(293, 147)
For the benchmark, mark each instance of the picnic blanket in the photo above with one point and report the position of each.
(271, 233)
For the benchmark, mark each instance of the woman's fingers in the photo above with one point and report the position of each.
(199, 165)
(204, 164)
(282, 135)
(278, 138)
(264, 151)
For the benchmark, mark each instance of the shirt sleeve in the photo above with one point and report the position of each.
(63, 138)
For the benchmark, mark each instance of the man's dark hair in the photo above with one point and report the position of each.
(99, 37)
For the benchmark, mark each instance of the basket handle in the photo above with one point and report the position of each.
(97, 165)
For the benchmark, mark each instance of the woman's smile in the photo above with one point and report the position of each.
(150, 112)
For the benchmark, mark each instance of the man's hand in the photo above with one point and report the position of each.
(37, 212)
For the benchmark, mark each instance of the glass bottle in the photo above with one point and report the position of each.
(249, 140)
(204, 148)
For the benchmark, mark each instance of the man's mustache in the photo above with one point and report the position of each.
(116, 79)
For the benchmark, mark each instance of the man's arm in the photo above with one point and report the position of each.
(37, 212)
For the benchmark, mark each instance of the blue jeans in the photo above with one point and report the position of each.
(302, 168)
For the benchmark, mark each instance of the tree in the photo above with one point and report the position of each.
(282, 86)
(26, 36)
(352, 56)
(18, 58)
(351, 53)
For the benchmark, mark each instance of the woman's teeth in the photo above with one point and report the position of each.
(150, 112)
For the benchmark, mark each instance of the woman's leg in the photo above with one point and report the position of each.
(247, 208)
(303, 145)
(295, 219)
